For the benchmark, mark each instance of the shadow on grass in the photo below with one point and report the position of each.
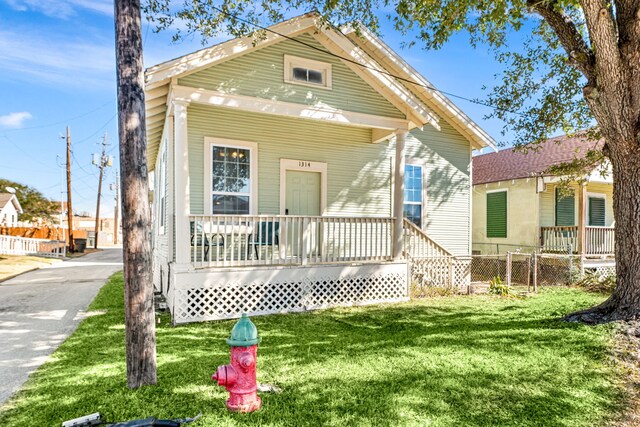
(455, 361)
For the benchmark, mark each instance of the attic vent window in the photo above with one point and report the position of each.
(307, 72)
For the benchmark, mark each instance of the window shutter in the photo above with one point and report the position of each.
(497, 214)
(597, 211)
(565, 209)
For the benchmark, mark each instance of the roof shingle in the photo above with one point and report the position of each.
(511, 164)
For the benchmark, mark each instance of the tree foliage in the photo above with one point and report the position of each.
(34, 204)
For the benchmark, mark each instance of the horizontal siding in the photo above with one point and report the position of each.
(261, 74)
(359, 172)
(446, 155)
(358, 176)
(547, 202)
(522, 215)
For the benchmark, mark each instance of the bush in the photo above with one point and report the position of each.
(498, 287)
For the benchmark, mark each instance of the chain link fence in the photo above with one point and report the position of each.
(475, 273)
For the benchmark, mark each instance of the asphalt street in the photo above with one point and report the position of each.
(40, 309)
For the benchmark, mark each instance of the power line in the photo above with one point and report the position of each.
(65, 120)
(97, 131)
(473, 101)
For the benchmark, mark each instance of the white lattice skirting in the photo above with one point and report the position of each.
(212, 295)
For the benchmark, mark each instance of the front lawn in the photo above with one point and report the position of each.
(458, 361)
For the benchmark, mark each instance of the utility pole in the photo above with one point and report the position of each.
(116, 186)
(69, 206)
(103, 162)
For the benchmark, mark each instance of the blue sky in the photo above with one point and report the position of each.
(57, 68)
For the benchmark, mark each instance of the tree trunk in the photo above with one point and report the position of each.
(624, 303)
(136, 218)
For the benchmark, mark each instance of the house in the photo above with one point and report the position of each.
(9, 210)
(283, 169)
(518, 204)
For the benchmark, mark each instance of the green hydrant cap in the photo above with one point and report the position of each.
(244, 333)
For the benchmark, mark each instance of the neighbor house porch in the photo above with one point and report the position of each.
(578, 219)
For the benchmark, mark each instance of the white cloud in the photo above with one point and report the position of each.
(14, 120)
(63, 9)
(71, 63)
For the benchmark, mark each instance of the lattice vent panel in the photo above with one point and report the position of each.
(288, 293)
(441, 272)
(604, 271)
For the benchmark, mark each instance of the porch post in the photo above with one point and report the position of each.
(582, 220)
(398, 194)
(181, 176)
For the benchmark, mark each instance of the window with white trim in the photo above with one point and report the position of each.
(307, 72)
(412, 209)
(231, 179)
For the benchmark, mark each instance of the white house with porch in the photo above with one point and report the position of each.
(300, 171)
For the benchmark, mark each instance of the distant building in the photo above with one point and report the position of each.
(9, 210)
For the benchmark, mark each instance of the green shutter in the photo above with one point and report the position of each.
(565, 209)
(497, 214)
(597, 211)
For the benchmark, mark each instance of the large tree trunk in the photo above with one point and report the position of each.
(136, 218)
(624, 303)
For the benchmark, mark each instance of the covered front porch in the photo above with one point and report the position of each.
(579, 219)
(597, 241)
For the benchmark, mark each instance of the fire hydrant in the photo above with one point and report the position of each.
(239, 377)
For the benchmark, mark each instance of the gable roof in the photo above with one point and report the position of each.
(435, 99)
(511, 164)
(419, 107)
(5, 198)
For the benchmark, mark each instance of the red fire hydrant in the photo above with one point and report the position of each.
(239, 377)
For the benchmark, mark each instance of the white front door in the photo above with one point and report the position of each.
(303, 192)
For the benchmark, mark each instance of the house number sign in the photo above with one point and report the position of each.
(304, 164)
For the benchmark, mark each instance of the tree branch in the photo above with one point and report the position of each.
(579, 53)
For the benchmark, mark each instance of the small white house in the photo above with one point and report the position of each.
(302, 170)
(9, 210)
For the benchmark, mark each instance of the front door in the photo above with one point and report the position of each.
(303, 193)
(302, 197)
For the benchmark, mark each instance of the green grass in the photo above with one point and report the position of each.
(458, 361)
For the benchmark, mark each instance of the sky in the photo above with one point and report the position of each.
(57, 69)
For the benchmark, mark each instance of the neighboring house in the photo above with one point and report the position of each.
(282, 170)
(518, 204)
(9, 210)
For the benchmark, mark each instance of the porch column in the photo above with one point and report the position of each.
(582, 220)
(181, 177)
(398, 194)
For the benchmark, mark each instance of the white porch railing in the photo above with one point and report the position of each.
(12, 245)
(600, 240)
(417, 244)
(247, 240)
(559, 239)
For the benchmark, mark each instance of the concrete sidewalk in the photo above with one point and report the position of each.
(40, 309)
